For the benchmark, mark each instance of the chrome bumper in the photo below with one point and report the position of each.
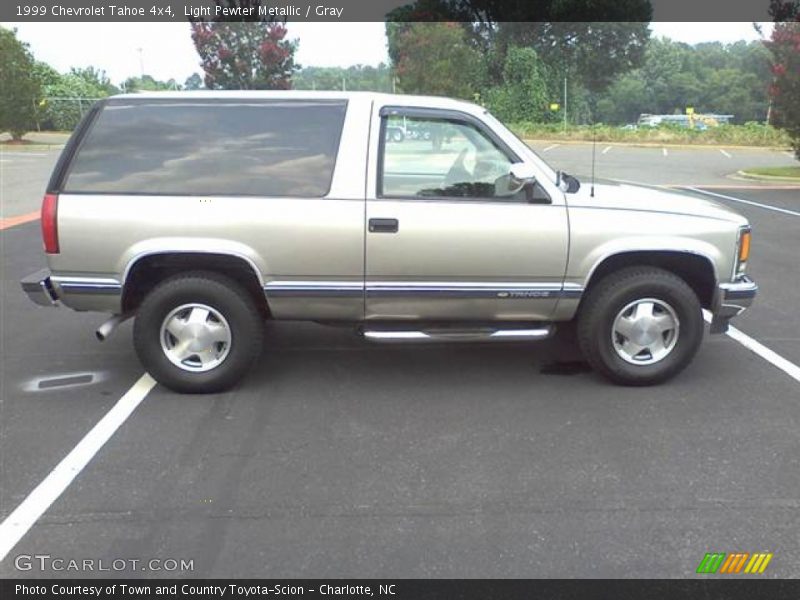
(39, 288)
(731, 300)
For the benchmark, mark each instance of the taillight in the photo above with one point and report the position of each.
(50, 223)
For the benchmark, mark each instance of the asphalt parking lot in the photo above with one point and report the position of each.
(337, 458)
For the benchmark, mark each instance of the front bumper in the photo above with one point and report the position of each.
(40, 289)
(731, 300)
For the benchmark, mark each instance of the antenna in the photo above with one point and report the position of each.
(594, 154)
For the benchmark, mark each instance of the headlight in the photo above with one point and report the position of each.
(742, 251)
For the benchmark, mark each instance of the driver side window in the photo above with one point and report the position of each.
(435, 158)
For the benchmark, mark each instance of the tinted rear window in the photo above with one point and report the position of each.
(203, 147)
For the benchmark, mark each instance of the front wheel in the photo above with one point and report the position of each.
(640, 326)
(198, 333)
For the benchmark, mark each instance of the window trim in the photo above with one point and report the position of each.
(63, 171)
(445, 115)
(64, 165)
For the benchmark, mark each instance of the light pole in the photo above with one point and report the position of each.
(141, 63)
(565, 103)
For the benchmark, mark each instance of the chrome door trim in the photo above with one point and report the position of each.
(87, 285)
(572, 290)
(501, 290)
(313, 288)
(378, 289)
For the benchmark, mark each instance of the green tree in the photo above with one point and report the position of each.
(624, 101)
(20, 89)
(67, 98)
(592, 54)
(785, 90)
(609, 39)
(244, 55)
(193, 82)
(96, 79)
(523, 95)
(710, 77)
(592, 42)
(147, 83)
(46, 74)
(434, 58)
(355, 78)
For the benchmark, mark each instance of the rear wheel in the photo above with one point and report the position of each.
(198, 333)
(640, 326)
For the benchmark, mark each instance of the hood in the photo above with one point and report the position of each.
(620, 196)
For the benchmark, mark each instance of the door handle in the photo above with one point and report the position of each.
(383, 225)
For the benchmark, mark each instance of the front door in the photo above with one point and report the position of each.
(449, 235)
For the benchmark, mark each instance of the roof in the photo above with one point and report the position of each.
(401, 99)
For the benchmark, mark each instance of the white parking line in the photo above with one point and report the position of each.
(551, 147)
(785, 211)
(606, 150)
(725, 153)
(775, 359)
(664, 150)
(17, 524)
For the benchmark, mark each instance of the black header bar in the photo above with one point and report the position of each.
(378, 10)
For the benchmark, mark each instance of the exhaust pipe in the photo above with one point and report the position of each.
(107, 328)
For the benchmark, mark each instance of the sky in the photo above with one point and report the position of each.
(165, 50)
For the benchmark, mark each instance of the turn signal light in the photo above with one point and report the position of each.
(744, 246)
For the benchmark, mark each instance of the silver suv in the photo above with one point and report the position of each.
(203, 214)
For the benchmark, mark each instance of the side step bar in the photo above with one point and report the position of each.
(459, 335)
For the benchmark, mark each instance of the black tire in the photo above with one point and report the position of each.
(604, 302)
(228, 299)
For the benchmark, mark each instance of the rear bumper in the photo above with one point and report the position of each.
(731, 300)
(100, 294)
(39, 288)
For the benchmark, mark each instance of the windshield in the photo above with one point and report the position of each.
(497, 124)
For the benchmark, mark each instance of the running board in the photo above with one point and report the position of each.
(459, 335)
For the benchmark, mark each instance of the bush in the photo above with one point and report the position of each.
(67, 100)
(749, 134)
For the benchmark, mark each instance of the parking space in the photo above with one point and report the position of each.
(336, 458)
(660, 165)
(774, 264)
(47, 359)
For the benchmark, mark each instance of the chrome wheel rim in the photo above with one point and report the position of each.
(645, 331)
(195, 337)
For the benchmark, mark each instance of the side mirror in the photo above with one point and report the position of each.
(522, 173)
(521, 176)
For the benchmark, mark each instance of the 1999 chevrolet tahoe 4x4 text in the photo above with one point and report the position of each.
(413, 218)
